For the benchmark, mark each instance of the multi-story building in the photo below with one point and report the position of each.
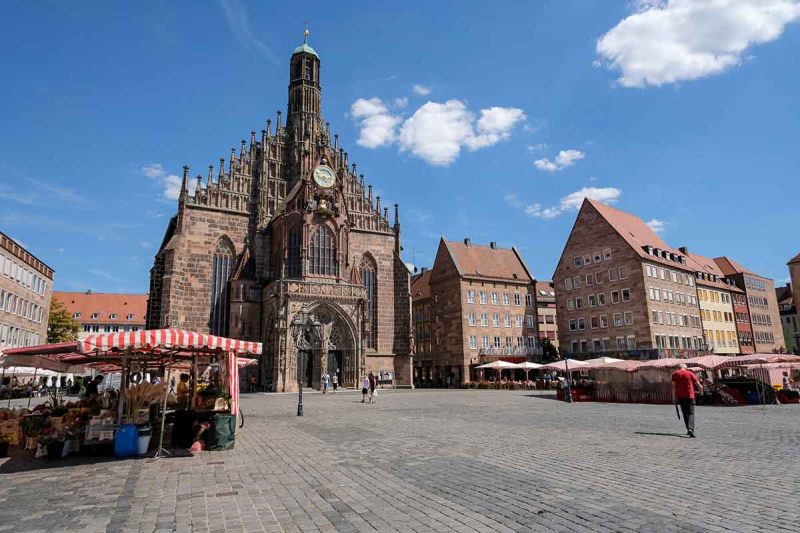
(761, 302)
(620, 289)
(26, 286)
(546, 312)
(99, 312)
(789, 318)
(715, 296)
(482, 308)
(421, 313)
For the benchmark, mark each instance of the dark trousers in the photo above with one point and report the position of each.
(687, 410)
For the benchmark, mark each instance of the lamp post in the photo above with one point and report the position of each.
(299, 327)
(567, 388)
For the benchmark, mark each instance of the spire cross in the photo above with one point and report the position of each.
(305, 33)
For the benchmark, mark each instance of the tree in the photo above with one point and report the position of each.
(61, 327)
(549, 352)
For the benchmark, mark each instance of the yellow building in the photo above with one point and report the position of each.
(716, 307)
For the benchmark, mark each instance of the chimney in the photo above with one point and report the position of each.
(467, 241)
(424, 269)
(493, 245)
(89, 292)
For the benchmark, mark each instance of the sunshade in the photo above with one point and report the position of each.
(561, 366)
(499, 365)
(175, 340)
(602, 360)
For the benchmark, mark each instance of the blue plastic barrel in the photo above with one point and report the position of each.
(126, 441)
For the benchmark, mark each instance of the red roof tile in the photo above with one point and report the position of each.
(709, 266)
(784, 295)
(730, 267)
(795, 259)
(420, 285)
(476, 261)
(104, 305)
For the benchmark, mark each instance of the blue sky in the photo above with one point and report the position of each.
(480, 121)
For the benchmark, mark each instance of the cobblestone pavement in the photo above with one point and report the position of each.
(437, 461)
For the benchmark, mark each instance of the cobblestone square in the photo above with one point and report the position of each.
(427, 461)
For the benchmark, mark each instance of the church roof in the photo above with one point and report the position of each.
(307, 49)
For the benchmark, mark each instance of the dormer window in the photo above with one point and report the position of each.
(112, 316)
(129, 317)
(94, 316)
(76, 315)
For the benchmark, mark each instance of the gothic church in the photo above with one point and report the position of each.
(287, 245)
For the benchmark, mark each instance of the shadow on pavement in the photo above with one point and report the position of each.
(679, 435)
(544, 396)
(24, 461)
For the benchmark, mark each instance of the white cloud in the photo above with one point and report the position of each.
(565, 158)
(239, 24)
(514, 201)
(658, 226)
(401, 103)
(667, 41)
(378, 125)
(573, 201)
(536, 147)
(171, 183)
(422, 90)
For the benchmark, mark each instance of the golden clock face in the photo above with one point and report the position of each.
(324, 176)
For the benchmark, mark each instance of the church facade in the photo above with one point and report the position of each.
(285, 244)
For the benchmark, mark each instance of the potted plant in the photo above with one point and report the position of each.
(5, 440)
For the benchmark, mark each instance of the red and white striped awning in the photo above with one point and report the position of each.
(175, 340)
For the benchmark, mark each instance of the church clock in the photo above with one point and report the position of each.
(324, 176)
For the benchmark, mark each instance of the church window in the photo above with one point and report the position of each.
(309, 70)
(370, 279)
(322, 259)
(293, 249)
(221, 266)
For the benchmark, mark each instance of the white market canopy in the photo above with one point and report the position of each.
(602, 360)
(527, 365)
(561, 366)
(499, 365)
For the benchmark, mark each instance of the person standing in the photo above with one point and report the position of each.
(683, 385)
(335, 381)
(364, 389)
(372, 383)
(325, 380)
(253, 381)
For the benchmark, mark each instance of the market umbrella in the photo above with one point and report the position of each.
(527, 367)
(564, 365)
(602, 360)
(499, 365)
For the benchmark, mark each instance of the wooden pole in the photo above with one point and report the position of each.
(123, 385)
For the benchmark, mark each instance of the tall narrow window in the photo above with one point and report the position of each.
(221, 266)
(293, 250)
(322, 259)
(369, 277)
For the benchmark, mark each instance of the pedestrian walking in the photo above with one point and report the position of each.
(683, 385)
(364, 388)
(325, 380)
(253, 381)
(335, 381)
(372, 383)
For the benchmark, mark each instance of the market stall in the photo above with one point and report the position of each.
(198, 412)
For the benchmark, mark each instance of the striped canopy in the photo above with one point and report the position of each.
(175, 340)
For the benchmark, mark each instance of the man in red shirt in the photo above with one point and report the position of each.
(683, 384)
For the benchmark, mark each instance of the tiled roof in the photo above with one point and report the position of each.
(476, 261)
(784, 295)
(709, 266)
(795, 259)
(420, 285)
(636, 233)
(730, 267)
(544, 289)
(104, 305)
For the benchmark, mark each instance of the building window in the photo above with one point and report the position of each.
(506, 299)
(597, 346)
(129, 317)
(531, 342)
(607, 254)
(574, 345)
(628, 318)
(485, 342)
(496, 320)
(621, 344)
(589, 280)
(529, 300)
(581, 324)
(112, 316)
(598, 278)
(76, 315)
(612, 274)
(470, 296)
(221, 266)
(632, 342)
(529, 320)
(626, 295)
(578, 303)
(473, 342)
(518, 321)
(576, 282)
(94, 316)
(592, 299)
(497, 342)
(369, 277)
(623, 272)
(568, 284)
(471, 318)
(483, 297)
(601, 298)
(495, 300)
(615, 297)
(597, 256)
(484, 319)
(323, 253)
(573, 324)
(617, 319)
(507, 321)
(603, 321)
(578, 261)
(293, 269)
(570, 304)
(517, 299)
(593, 323)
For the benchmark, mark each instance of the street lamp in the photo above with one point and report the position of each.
(299, 326)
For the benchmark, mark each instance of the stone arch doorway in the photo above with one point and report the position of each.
(338, 346)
